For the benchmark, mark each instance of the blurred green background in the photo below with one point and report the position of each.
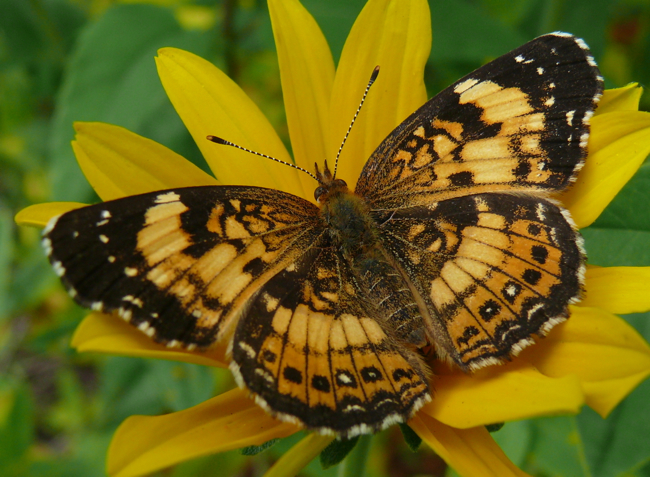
(92, 60)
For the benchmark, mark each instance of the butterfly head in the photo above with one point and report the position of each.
(328, 185)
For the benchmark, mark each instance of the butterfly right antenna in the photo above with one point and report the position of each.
(373, 77)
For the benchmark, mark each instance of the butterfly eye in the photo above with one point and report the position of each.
(318, 192)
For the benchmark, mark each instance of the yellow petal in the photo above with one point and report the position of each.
(210, 103)
(501, 393)
(38, 215)
(470, 452)
(620, 99)
(307, 73)
(606, 354)
(118, 163)
(618, 289)
(103, 333)
(619, 144)
(230, 421)
(396, 35)
(299, 456)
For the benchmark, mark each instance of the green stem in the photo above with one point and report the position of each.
(354, 464)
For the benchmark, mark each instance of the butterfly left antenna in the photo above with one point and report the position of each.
(219, 140)
(373, 77)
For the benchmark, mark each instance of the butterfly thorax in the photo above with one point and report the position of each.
(355, 234)
(346, 215)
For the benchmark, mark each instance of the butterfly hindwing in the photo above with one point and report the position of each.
(519, 123)
(179, 264)
(496, 269)
(313, 352)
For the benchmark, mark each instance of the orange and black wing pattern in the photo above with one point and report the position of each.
(461, 192)
(315, 352)
(518, 124)
(180, 265)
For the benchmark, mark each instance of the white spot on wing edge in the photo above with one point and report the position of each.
(519, 58)
(51, 224)
(106, 214)
(147, 329)
(59, 269)
(561, 33)
(47, 245)
(103, 238)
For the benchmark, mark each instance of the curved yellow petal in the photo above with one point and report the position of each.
(607, 355)
(620, 99)
(619, 144)
(103, 333)
(145, 444)
(396, 35)
(501, 393)
(307, 74)
(470, 452)
(38, 215)
(118, 163)
(299, 456)
(210, 103)
(618, 290)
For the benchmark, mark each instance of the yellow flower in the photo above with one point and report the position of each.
(593, 358)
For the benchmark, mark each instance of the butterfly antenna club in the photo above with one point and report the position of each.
(225, 142)
(373, 77)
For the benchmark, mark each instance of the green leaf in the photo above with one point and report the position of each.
(630, 209)
(254, 450)
(6, 253)
(337, 451)
(626, 223)
(412, 439)
(460, 30)
(112, 78)
(616, 247)
(515, 439)
(558, 448)
(16, 426)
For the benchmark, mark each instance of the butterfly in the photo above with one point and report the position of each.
(451, 240)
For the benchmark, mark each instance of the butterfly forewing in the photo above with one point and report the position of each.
(179, 264)
(519, 123)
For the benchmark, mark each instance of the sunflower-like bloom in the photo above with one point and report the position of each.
(594, 358)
